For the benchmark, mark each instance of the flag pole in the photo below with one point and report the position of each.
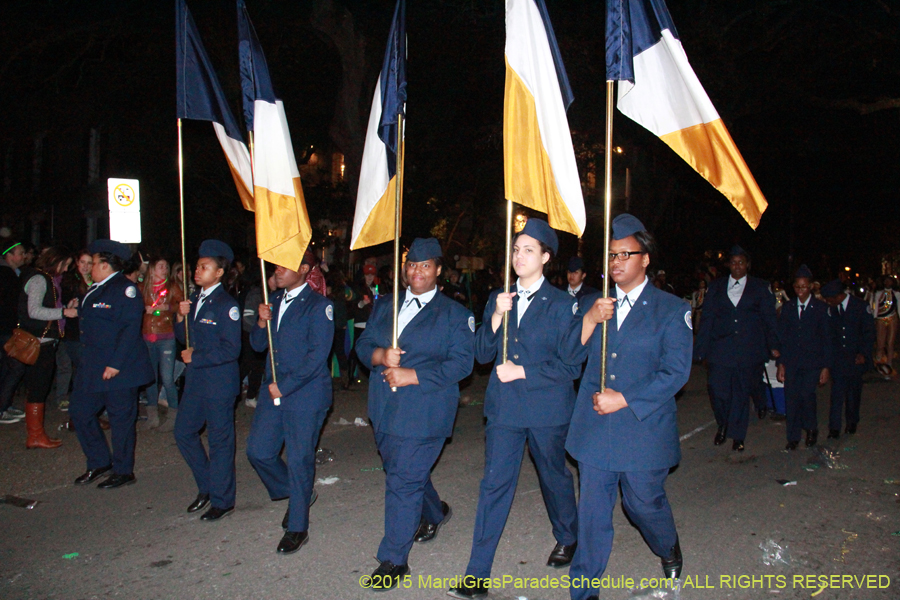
(509, 212)
(607, 213)
(398, 208)
(184, 265)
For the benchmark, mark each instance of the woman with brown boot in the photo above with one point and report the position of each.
(41, 313)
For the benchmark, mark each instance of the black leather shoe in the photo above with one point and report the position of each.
(387, 576)
(91, 475)
(199, 503)
(470, 587)
(291, 542)
(561, 555)
(214, 513)
(834, 434)
(791, 446)
(672, 565)
(737, 445)
(720, 436)
(428, 531)
(851, 428)
(811, 437)
(115, 480)
(762, 413)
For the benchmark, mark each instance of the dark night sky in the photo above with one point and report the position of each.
(788, 78)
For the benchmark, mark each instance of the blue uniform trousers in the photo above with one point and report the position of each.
(645, 503)
(214, 473)
(731, 388)
(504, 447)
(122, 408)
(800, 400)
(846, 394)
(298, 431)
(408, 492)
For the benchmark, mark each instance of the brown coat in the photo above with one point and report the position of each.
(163, 322)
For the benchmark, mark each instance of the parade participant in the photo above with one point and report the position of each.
(161, 299)
(114, 364)
(529, 399)
(290, 412)
(737, 336)
(627, 435)
(436, 351)
(886, 303)
(576, 276)
(852, 336)
(803, 330)
(213, 322)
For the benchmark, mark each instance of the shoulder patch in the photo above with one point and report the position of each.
(234, 313)
(688, 320)
(131, 291)
(329, 312)
(472, 323)
(575, 308)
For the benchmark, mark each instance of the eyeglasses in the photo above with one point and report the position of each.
(623, 256)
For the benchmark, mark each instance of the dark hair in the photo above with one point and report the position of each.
(544, 247)
(221, 263)
(113, 260)
(50, 258)
(646, 241)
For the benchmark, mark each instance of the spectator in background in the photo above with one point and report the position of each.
(660, 282)
(364, 294)
(251, 364)
(161, 297)
(697, 298)
(887, 301)
(452, 289)
(11, 370)
(75, 284)
(781, 296)
(337, 288)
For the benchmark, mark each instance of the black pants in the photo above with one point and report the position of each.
(252, 365)
(39, 376)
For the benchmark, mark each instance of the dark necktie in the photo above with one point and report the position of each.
(802, 310)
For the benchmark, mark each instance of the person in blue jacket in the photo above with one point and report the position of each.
(293, 401)
(413, 398)
(213, 322)
(529, 398)
(738, 334)
(805, 336)
(114, 364)
(852, 338)
(626, 434)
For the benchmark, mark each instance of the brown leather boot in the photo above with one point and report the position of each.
(34, 424)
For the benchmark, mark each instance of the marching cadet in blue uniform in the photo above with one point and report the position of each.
(852, 338)
(213, 320)
(576, 275)
(114, 364)
(628, 434)
(436, 351)
(290, 412)
(805, 336)
(529, 398)
(738, 334)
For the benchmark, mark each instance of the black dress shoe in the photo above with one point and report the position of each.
(291, 542)
(91, 475)
(428, 531)
(720, 436)
(737, 445)
(199, 503)
(851, 428)
(387, 576)
(811, 437)
(762, 413)
(672, 565)
(115, 480)
(561, 555)
(834, 434)
(471, 587)
(214, 513)
(791, 446)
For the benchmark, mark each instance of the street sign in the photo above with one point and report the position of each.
(124, 210)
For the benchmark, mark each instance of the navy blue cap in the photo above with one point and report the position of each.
(542, 232)
(213, 248)
(803, 271)
(111, 247)
(423, 249)
(576, 264)
(832, 288)
(626, 225)
(738, 251)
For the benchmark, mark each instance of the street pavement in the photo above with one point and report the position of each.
(838, 523)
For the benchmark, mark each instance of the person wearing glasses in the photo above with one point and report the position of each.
(626, 434)
(738, 335)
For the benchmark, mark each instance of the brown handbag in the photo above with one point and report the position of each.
(23, 346)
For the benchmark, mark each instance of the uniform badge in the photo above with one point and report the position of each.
(329, 312)
(131, 291)
(575, 308)
(234, 313)
(687, 319)
(472, 324)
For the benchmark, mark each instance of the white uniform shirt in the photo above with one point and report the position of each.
(411, 306)
(736, 288)
(525, 297)
(626, 301)
(286, 300)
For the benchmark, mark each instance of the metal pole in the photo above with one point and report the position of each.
(506, 268)
(184, 266)
(398, 209)
(607, 214)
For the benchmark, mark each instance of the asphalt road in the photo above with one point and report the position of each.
(138, 542)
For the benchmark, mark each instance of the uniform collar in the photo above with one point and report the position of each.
(531, 289)
(634, 294)
(732, 280)
(209, 291)
(288, 296)
(423, 298)
(99, 283)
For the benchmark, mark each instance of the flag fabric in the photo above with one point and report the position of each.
(373, 222)
(199, 96)
(659, 90)
(539, 169)
(283, 230)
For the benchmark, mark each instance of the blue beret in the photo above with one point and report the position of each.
(423, 249)
(542, 232)
(625, 225)
(213, 248)
(111, 247)
(832, 288)
(738, 251)
(576, 264)
(804, 271)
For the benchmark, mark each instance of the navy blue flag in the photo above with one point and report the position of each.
(564, 87)
(631, 30)
(255, 81)
(393, 85)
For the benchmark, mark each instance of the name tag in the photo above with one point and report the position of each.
(207, 321)
(101, 305)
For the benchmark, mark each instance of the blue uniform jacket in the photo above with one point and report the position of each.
(648, 361)
(216, 340)
(439, 345)
(737, 336)
(302, 344)
(806, 342)
(110, 336)
(851, 333)
(547, 394)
